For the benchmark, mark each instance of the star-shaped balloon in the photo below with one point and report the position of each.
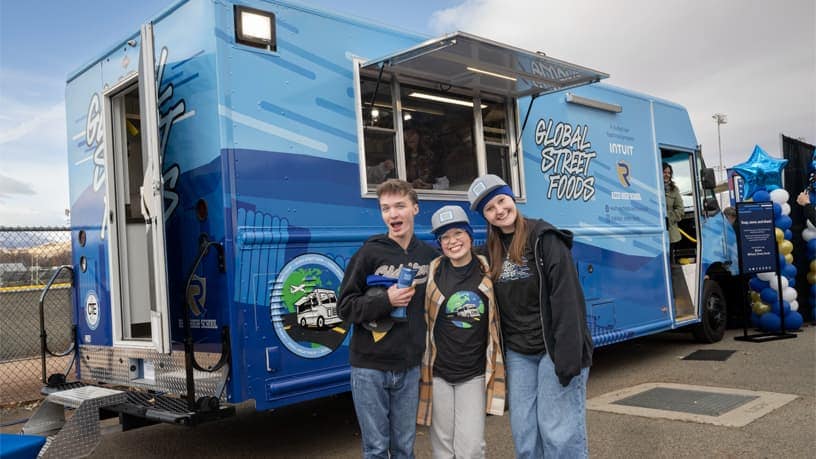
(760, 171)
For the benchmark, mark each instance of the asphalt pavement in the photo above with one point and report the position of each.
(328, 428)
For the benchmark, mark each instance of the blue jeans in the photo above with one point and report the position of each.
(546, 418)
(386, 403)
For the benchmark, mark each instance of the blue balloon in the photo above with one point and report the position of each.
(755, 319)
(812, 292)
(761, 170)
(793, 320)
(775, 307)
(777, 210)
(771, 188)
(769, 296)
(782, 261)
(788, 234)
(789, 271)
(770, 322)
(762, 195)
(759, 285)
(783, 222)
(792, 282)
(811, 246)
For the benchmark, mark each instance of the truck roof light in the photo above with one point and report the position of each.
(255, 28)
(592, 103)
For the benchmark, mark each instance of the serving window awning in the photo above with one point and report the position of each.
(468, 61)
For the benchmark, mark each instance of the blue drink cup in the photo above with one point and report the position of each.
(405, 279)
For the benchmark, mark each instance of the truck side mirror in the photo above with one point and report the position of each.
(707, 178)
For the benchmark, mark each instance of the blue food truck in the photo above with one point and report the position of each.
(223, 161)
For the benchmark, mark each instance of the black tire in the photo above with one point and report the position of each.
(303, 323)
(714, 312)
(320, 321)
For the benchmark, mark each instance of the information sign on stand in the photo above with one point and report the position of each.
(757, 250)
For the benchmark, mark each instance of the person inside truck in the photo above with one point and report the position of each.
(378, 173)
(385, 354)
(674, 207)
(730, 214)
(803, 199)
(420, 160)
(462, 372)
(543, 321)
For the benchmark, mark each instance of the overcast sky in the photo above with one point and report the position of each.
(754, 60)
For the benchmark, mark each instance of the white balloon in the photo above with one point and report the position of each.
(766, 276)
(810, 225)
(779, 196)
(794, 305)
(785, 209)
(808, 234)
(775, 285)
(788, 294)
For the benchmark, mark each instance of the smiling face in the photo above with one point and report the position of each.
(398, 213)
(667, 175)
(501, 211)
(456, 245)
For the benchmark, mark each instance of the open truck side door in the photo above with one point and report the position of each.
(139, 296)
(152, 193)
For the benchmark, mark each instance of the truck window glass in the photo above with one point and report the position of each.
(439, 134)
(378, 129)
(438, 139)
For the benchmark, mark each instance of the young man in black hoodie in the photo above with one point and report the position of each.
(385, 351)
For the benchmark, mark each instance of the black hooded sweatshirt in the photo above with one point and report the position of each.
(559, 325)
(403, 345)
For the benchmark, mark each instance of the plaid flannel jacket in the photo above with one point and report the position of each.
(494, 368)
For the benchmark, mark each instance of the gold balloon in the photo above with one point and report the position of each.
(813, 266)
(760, 308)
(811, 276)
(780, 235)
(789, 258)
(754, 297)
(785, 247)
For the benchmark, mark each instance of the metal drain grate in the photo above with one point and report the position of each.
(687, 401)
(719, 355)
(720, 406)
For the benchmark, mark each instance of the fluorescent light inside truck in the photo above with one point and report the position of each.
(446, 100)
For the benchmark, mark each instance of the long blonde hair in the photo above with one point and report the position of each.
(495, 248)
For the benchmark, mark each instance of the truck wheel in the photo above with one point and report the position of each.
(320, 322)
(303, 323)
(714, 314)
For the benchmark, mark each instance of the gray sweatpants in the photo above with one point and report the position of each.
(458, 419)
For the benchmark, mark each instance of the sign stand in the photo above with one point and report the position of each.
(758, 253)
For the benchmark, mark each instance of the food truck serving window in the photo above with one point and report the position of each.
(440, 133)
(443, 113)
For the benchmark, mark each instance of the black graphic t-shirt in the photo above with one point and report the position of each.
(517, 296)
(460, 332)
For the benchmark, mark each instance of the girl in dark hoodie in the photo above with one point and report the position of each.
(543, 322)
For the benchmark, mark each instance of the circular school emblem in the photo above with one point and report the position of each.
(91, 310)
(303, 306)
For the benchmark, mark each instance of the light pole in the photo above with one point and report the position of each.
(720, 118)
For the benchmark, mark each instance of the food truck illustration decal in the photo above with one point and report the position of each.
(317, 309)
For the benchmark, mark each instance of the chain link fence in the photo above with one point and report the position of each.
(28, 259)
